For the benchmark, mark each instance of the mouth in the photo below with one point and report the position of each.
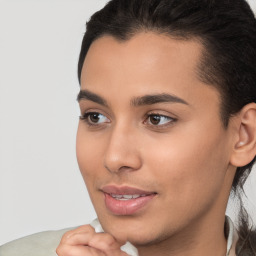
(126, 200)
(126, 197)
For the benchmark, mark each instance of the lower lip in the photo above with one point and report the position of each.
(126, 207)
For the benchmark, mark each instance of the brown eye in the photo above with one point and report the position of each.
(155, 119)
(159, 120)
(94, 117)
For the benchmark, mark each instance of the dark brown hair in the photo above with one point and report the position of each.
(226, 29)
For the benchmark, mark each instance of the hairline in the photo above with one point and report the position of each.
(203, 59)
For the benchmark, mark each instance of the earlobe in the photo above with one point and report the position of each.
(245, 145)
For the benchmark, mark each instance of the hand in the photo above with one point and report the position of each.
(84, 241)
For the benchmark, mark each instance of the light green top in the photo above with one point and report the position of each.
(40, 244)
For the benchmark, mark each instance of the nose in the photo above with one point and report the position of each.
(122, 152)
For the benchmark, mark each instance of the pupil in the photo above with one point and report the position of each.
(155, 119)
(94, 117)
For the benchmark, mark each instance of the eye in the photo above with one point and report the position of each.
(94, 118)
(159, 120)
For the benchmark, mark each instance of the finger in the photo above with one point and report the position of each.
(79, 250)
(86, 235)
(84, 229)
(70, 236)
(104, 242)
(77, 239)
(107, 244)
(101, 241)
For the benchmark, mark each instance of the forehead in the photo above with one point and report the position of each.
(144, 51)
(145, 64)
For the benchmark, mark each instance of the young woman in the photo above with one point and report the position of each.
(167, 129)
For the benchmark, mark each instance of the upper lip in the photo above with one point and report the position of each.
(125, 190)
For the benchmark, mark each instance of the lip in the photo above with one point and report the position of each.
(126, 207)
(125, 190)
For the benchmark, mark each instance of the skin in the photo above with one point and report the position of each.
(189, 158)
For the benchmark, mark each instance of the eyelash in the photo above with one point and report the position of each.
(160, 126)
(86, 119)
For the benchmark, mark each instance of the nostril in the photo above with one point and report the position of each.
(121, 157)
(122, 168)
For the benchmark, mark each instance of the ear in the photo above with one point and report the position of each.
(244, 146)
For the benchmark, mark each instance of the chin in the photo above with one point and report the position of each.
(137, 231)
(136, 238)
(143, 238)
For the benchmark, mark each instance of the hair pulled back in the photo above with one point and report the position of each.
(226, 29)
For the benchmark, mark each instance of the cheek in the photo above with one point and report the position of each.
(190, 166)
(89, 152)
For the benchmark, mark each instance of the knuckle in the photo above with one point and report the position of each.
(109, 239)
(66, 236)
(87, 228)
(63, 250)
(59, 251)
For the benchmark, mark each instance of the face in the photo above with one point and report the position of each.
(150, 144)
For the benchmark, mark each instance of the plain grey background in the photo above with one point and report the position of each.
(40, 184)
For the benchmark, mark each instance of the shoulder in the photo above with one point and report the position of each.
(43, 244)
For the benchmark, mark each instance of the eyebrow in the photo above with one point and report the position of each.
(157, 98)
(137, 101)
(87, 95)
